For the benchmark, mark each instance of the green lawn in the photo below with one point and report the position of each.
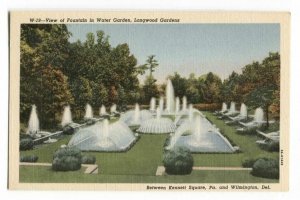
(38, 174)
(139, 164)
(246, 143)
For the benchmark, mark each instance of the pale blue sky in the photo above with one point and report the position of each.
(187, 48)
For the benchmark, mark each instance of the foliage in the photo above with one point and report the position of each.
(44, 50)
(151, 64)
(266, 168)
(67, 159)
(56, 72)
(178, 161)
(180, 85)
(29, 158)
(86, 159)
(68, 129)
(208, 106)
(202, 89)
(261, 97)
(150, 89)
(26, 144)
(258, 86)
(272, 146)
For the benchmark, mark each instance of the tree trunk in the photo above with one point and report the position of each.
(267, 115)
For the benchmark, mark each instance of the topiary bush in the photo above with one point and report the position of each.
(273, 146)
(266, 168)
(270, 146)
(86, 159)
(29, 158)
(67, 159)
(178, 161)
(26, 144)
(248, 162)
(68, 130)
(248, 130)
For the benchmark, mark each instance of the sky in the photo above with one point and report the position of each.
(190, 48)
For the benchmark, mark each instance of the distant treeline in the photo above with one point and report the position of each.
(56, 72)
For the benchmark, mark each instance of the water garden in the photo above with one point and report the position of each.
(185, 130)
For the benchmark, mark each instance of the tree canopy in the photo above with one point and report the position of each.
(55, 72)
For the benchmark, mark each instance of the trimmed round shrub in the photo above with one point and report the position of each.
(67, 159)
(167, 141)
(248, 162)
(26, 144)
(25, 136)
(248, 131)
(178, 161)
(271, 146)
(86, 159)
(106, 116)
(266, 168)
(68, 130)
(29, 158)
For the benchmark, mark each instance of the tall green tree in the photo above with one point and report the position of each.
(151, 64)
(261, 97)
(44, 51)
(150, 89)
(179, 84)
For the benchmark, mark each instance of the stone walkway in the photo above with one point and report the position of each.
(161, 169)
(90, 169)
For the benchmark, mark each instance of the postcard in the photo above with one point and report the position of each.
(149, 101)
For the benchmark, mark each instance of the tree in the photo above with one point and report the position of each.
(150, 89)
(230, 88)
(262, 97)
(82, 92)
(54, 95)
(179, 84)
(194, 89)
(44, 50)
(152, 64)
(213, 84)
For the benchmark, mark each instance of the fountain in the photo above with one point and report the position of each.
(191, 109)
(232, 107)
(152, 104)
(102, 110)
(135, 117)
(88, 112)
(161, 103)
(103, 137)
(67, 116)
(184, 103)
(157, 125)
(197, 129)
(105, 128)
(199, 135)
(177, 105)
(243, 110)
(224, 107)
(169, 97)
(259, 115)
(113, 108)
(33, 124)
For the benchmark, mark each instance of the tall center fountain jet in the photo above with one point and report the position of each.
(170, 105)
